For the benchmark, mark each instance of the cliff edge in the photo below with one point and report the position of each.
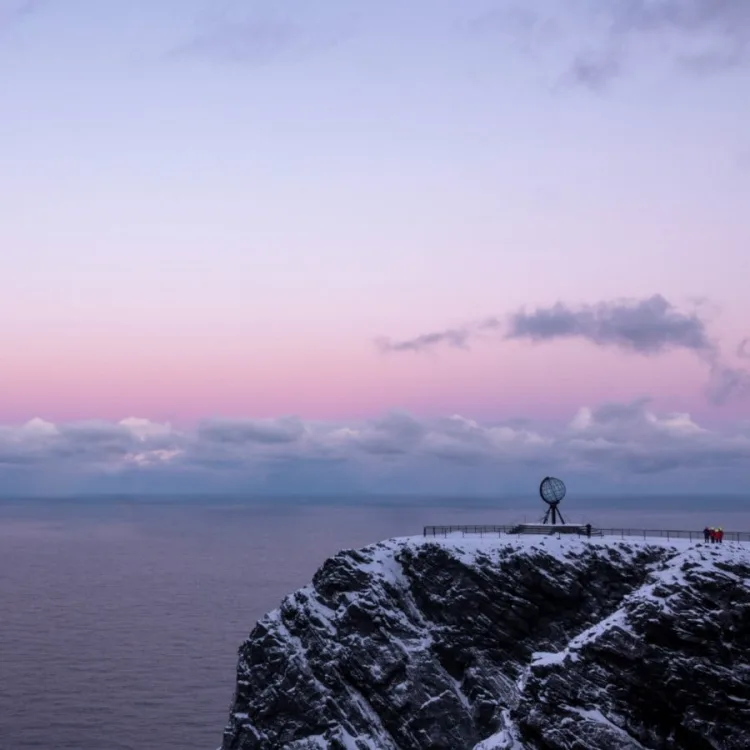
(503, 644)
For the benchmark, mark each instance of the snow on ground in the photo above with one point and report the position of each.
(350, 742)
(466, 546)
(617, 619)
(698, 560)
(505, 739)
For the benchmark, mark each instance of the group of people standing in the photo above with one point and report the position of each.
(712, 535)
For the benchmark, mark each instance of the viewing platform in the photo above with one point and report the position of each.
(559, 528)
(580, 530)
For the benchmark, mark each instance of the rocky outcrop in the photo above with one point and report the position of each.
(670, 669)
(504, 643)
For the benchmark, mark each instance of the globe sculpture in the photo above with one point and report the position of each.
(552, 491)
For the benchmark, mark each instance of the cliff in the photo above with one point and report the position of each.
(504, 644)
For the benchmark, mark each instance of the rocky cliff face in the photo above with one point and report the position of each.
(504, 644)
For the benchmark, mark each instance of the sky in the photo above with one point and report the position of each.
(432, 246)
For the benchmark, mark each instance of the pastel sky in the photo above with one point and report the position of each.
(374, 246)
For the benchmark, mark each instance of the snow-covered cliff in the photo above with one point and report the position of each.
(504, 643)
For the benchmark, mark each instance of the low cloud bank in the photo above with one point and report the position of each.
(629, 443)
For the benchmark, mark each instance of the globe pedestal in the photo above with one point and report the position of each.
(553, 513)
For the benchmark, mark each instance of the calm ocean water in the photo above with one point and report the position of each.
(120, 619)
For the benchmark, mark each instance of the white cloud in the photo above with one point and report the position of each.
(397, 452)
(633, 419)
(151, 458)
(144, 429)
(678, 423)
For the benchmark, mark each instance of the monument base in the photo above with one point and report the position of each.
(550, 528)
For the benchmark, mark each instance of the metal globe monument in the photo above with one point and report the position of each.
(552, 491)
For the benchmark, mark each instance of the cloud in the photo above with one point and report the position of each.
(257, 36)
(15, 11)
(648, 326)
(594, 71)
(631, 438)
(394, 435)
(707, 36)
(743, 349)
(242, 431)
(454, 337)
(727, 383)
(617, 421)
(397, 451)
(599, 38)
(251, 42)
(86, 444)
(143, 429)
(728, 18)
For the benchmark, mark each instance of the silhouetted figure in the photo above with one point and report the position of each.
(713, 535)
(588, 530)
(706, 534)
(719, 535)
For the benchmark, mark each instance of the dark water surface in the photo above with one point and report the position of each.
(120, 620)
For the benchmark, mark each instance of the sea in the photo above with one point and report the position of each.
(120, 617)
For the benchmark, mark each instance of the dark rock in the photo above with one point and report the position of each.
(493, 644)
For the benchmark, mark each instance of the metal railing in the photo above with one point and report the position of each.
(514, 529)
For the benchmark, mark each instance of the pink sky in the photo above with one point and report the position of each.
(196, 221)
